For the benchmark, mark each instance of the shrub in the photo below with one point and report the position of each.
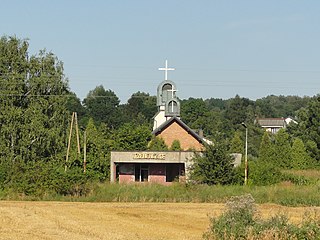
(213, 166)
(236, 221)
(263, 173)
(240, 222)
(175, 146)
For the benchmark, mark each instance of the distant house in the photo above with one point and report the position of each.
(273, 125)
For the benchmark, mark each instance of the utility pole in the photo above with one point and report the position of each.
(69, 142)
(84, 152)
(246, 156)
(74, 121)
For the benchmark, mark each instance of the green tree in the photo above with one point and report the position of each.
(266, 150)
(102, 105)
(175, 146)
(263, 173)
(98, 150)
(32, 103)
(237, 145)
(309, 126)
(13, 69)
(157, 144)
(131, 136)
(280, 106)
(45, 120)
(194, 112)
(141, 107)
(300, 157)
(282, 149)
(236, 111)
(73, 104)
(213, 166)
(33, 122)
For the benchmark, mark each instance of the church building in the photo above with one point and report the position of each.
(162, 167)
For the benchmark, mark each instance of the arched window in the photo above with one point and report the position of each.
(172, 107)
(166, 94)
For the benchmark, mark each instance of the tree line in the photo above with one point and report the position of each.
(36, 106)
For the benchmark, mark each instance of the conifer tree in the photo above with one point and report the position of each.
(213, 166)
(237, 145)
(300, 157)
(266, 150)
(282, 149)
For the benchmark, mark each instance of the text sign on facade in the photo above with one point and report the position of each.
(160, 156)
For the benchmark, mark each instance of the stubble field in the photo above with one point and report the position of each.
(70, 220)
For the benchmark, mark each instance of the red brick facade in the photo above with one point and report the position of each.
(175, 131)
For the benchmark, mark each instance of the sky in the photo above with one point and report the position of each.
(219, 48)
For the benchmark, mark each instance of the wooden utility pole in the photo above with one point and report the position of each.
(84, 152)
(74, 121)
(77, 131)
(69, 142)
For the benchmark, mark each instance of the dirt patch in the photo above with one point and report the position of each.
(63, 220)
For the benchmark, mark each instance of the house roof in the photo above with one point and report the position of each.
(271, 122)
(182, 124)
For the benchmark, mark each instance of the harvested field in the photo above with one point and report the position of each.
(72, 220)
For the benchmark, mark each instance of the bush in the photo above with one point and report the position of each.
(213, 166)
(41, 178)
(263, 173)
(235, 222)
(240, 222)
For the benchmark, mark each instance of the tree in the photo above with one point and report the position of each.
(74, 105)
(236, 110)
(141, 107)
(175, 146)
(282, 149)
(266, 150)
(308, 127)
(300, 157)
(32, 103)
(33, 115)
(13, 72)
(131, 136)
(213, 166)
(193, 112)
(45, 116)
(280, 106)
(237, 145)
(102, 105)
(98, 150)
(157, 144)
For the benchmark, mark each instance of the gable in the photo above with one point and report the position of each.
(175, 129)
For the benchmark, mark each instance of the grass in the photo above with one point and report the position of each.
(285, 193)
(311, 173)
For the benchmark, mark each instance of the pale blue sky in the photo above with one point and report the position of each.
(253, 48)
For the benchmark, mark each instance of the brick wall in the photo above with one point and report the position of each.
(175, 132)
(126, 178)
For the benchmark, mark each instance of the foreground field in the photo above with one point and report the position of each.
(64, 220)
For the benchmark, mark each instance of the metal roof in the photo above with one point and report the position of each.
(271, 122)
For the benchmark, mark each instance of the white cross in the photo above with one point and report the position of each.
(166, 69)
(172, 91)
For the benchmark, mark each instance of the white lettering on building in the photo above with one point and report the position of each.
(161, 156)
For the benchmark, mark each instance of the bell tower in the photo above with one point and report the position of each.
(167, 101)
